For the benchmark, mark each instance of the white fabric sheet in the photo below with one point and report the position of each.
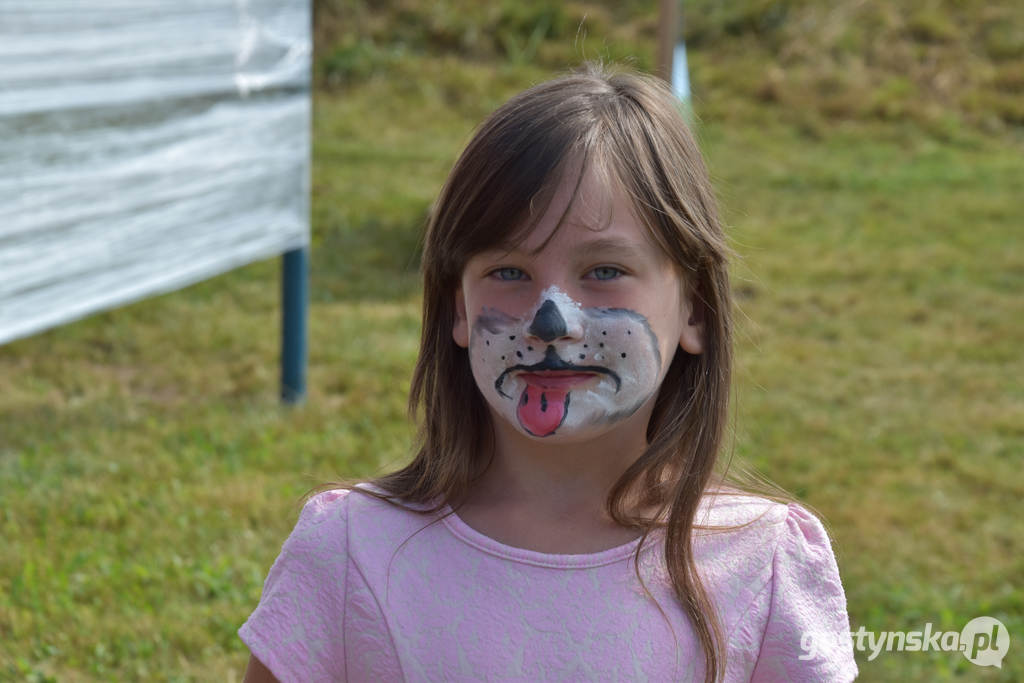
(144, 146)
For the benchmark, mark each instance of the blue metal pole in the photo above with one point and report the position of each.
(681, 80)
(294, 313)
(680, 72)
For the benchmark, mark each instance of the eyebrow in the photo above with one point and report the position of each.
(589, 249)
(604, 245)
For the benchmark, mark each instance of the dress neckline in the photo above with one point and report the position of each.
(489, 545)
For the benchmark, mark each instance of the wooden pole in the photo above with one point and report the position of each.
(668, 33)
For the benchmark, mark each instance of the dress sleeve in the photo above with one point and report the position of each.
(297, 629)
(807, 637)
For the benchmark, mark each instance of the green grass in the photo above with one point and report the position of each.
(880, 366)
(148, 475)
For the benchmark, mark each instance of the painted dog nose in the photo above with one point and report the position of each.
(548, 325)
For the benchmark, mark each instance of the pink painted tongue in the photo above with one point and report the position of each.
(541, 410)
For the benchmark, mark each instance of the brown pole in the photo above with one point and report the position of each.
(668, 33)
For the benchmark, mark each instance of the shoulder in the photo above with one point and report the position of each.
(323, 513)
(318, 537)
(361, 509)
(371, 508)
(325, 505)
(744, 545)
(767, 533)
(335, 517)
(750, 515)
(751, 525)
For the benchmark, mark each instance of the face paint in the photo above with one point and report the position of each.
(563, 368)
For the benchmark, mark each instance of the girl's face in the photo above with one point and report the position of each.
(568, 341)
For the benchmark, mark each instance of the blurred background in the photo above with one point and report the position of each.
(868, 160)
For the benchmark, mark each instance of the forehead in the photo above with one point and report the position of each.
(587, 212)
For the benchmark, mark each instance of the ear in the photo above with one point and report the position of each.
(460, 330)
(692, 337)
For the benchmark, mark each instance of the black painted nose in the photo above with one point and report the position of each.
(548, 325)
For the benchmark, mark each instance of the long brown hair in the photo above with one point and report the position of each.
(630, 127)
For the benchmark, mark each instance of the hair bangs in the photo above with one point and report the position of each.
(503, 183)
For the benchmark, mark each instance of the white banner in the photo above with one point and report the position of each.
(144, 146)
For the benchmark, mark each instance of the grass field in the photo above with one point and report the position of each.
(148, 474)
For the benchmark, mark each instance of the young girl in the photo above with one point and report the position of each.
(563, 517)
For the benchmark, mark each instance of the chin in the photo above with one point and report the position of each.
(566, 435)
(577, 428)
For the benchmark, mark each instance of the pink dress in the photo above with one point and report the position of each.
(365, 591)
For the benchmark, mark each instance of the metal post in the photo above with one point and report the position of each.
(680, 72)
(294, 309)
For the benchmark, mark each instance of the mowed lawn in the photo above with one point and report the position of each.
(148, 475)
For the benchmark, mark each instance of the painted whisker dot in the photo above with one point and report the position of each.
(503, 357)
(512, 337)
(623, 355)
(529, 348)
(582, 356)
(629, 331)
(604, 332)
(584, 346)
(519, 353)
(487, 341)
(601, 345)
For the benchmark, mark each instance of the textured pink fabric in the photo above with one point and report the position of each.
(365, 591)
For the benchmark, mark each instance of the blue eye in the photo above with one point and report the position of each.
(509, 274)
(606, 273)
